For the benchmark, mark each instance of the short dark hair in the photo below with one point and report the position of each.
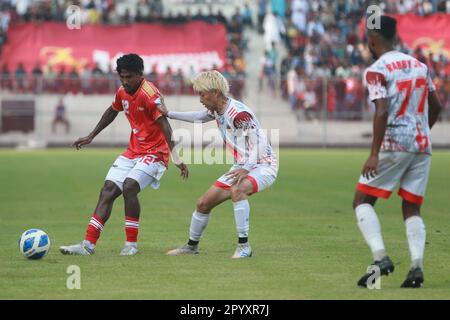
(388, 28)
(130, 62)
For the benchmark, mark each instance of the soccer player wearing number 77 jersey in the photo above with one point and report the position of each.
(141, 165)
(407, 107)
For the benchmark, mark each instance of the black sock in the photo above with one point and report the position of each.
(243, 240)
(192, 242)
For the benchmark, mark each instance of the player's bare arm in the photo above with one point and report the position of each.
(162, 106)
(108, 116)
(379, 129)
(167, 130)
(435, 108)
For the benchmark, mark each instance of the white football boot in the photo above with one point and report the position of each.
(243, 250)
(129, 249)
(85, 248)
(186, 249)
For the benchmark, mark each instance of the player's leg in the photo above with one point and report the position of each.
(370, 227)
(412, 190)
(416, 235)
(108, 195)
(110, 191)
(258, 179)
(368, 223)
(132, 208)
(241, 207)
(145, 173)
(200, 218)
(390, 168)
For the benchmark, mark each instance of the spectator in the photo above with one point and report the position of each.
(74, 85)
(20, 77)
(267, 72)
(60, 117)
(36, 79)
(262, 10)
(247, 16)
(271, 30)
(6, 82)
(295, 87)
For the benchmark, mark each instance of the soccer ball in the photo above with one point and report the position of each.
(34, 244)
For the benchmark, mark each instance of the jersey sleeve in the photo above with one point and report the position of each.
(117, 102)
(376, 84)
(243, 120)
(151, 104)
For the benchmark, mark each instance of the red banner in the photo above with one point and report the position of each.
(431, 33)
(195, 45)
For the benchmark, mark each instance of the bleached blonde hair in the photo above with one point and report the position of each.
(211, 80)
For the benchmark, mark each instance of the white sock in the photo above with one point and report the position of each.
(416, 233)
(369, 225)
(242, 217)
(199, 222)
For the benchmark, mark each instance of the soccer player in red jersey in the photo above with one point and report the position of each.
(141, 165)
(407, 107)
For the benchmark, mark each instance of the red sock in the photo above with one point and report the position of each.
(131, 228)
(94, 229)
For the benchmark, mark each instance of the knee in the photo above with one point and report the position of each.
(359, 199)
(130, 188)
(355, 203)
(203, 206)
(109, 191)
(237, 194)
(410, 210)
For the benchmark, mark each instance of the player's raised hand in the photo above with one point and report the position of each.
(82, 141)
(162, 106)
(184, 170)
(370, 167)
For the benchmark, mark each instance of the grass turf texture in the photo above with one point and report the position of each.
(303, 232)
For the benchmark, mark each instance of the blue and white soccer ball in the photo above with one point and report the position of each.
(34, 244)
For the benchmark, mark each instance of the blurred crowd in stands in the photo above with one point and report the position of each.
(326, 55)
(114, 12)
(321, 71)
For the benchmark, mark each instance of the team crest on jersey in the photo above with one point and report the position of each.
(125, 105)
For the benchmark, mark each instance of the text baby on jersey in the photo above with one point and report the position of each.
(404, 82)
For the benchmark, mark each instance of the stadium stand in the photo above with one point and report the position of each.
(299, 62)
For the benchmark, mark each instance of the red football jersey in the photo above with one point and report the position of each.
(140, 109)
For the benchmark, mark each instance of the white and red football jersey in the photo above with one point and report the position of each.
(244, 136)
(405, 82)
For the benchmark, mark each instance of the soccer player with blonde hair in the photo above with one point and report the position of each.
(255, 165)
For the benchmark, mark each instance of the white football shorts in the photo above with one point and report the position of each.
(261, 176)
(410, 170)
(145, 170)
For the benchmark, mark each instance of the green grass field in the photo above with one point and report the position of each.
(303, 232)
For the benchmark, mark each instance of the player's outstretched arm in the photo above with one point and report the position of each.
(434, 108)
(167, 130)
(108, 116)
(189, 116)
